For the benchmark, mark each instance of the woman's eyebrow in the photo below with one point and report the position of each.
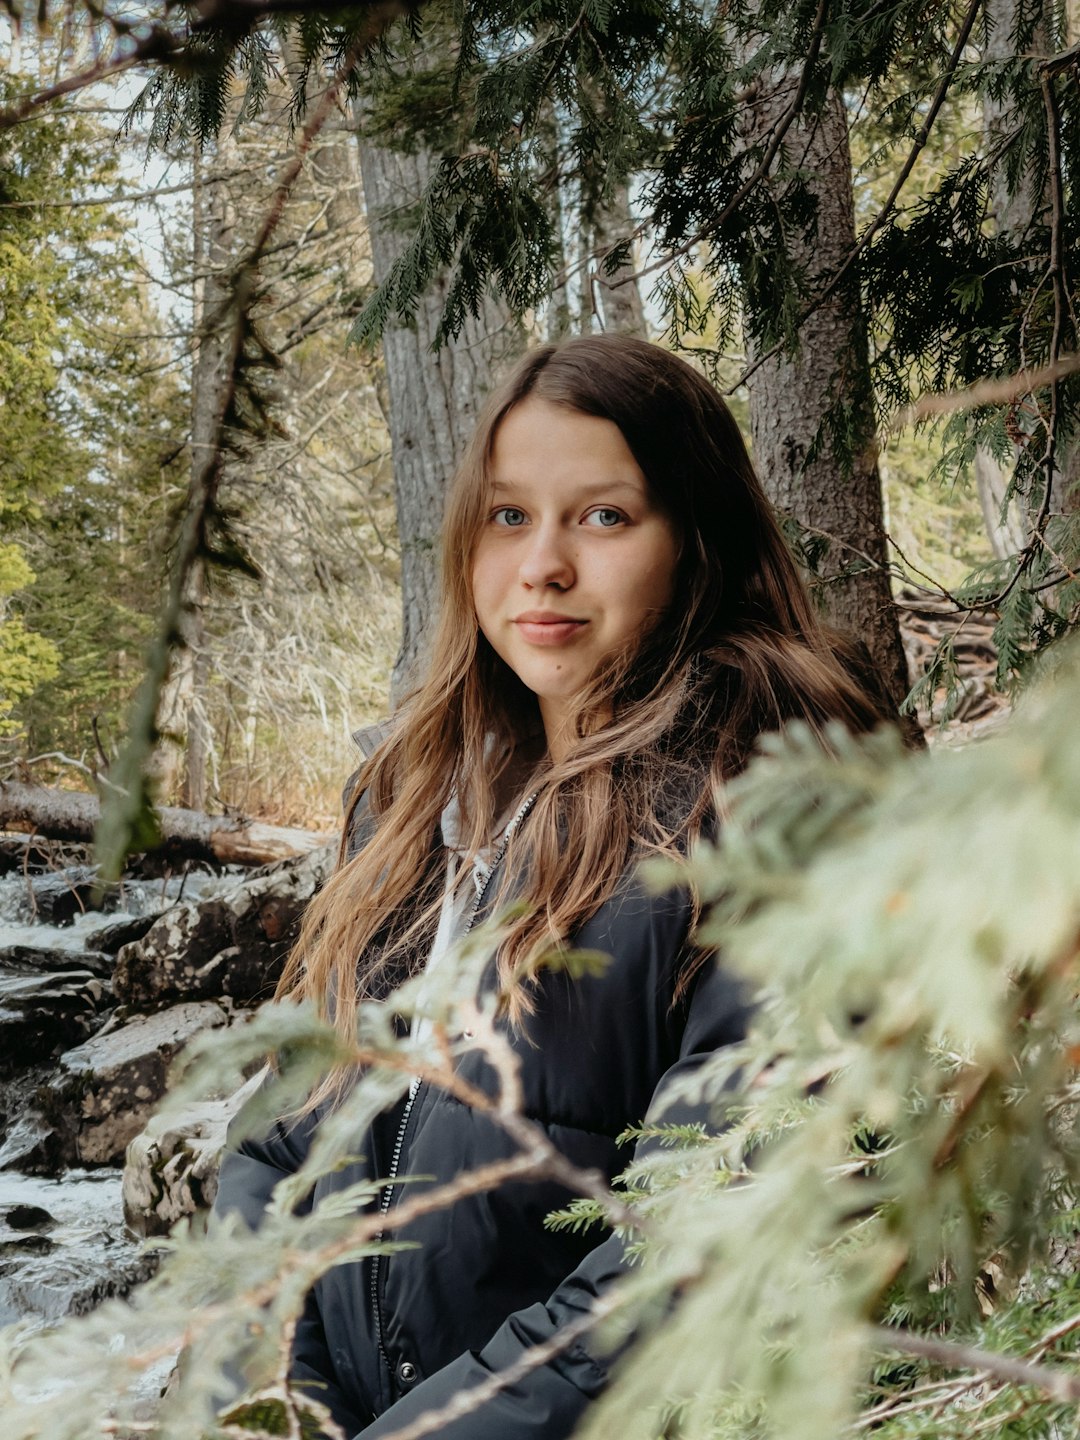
(587, 488)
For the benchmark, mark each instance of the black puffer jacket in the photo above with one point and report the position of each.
(387, 1339)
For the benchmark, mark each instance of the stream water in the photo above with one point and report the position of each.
(63, 1243)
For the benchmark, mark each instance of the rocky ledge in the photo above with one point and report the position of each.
(93, 1011)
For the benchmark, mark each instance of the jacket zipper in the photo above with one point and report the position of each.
(416, 1082)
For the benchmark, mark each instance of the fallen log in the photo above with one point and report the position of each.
(73, 815)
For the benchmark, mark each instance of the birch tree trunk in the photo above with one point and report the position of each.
(620, 297)
(1013, 213)
(433, 397)
(789, 398)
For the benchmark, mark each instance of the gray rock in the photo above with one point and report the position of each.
(111, 1083)
(231, 945)
(28, 1217)
(109, 938)
(171, 1168)
(35, 1137)
(35, 1145)
(41, 1012)
(56, 897)
(50, 958)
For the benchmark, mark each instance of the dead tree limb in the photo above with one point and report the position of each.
(72, 815)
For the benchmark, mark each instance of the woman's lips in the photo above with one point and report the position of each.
(539, 628)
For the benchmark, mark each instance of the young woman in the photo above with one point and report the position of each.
(621, 621)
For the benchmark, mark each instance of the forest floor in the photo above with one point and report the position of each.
(925, 621)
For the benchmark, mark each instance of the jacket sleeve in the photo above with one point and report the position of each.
(547, 1403)
(247, 1179)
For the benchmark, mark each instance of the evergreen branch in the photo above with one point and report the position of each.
(890, 204)
(367, 1230)
(1059, 283)
(1060, 1385)
(1057, 275)
(760, 170)
(127, 818)
(160, 44)
(538, 1159)
(507, 1111)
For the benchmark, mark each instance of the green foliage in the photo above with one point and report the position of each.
(899, 1127)
(90, 425)
(527, 108)
(27, 660)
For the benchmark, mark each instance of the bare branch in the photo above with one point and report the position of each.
(158, 45)
(998, 391)
(1059, 1385)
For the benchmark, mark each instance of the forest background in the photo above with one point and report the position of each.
(860, 218)
(730, 195)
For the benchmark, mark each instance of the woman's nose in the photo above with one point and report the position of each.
(547, 559)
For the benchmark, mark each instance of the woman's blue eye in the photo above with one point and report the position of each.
(509, 515)
(606, 517)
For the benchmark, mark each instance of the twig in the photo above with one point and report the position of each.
(886, 210)
(505, 1110)
(984, 392)
(911, 1400)
(1059, 1385)
(26, 877)
(1066, 1327)
(121, 197)
(160, 44)
(466, 1401)
(95, 726)
(58, 756)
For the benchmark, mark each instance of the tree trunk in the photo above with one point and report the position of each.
(434, 397)
(839, 503)
(1013, 214)
(620, 298)
(73, 815)
(182, 713)
(1005, 528)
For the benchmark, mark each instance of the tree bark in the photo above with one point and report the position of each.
(434, 398)
(72, 815)
(182, 763)
(837, 501)
(1004, 528)
(1013, 212)
(620, 298)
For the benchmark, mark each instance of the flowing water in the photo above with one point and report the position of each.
(63, 1244)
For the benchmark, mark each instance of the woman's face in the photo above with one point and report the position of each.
(574, 559)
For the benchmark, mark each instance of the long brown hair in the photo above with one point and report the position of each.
(740, 651)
